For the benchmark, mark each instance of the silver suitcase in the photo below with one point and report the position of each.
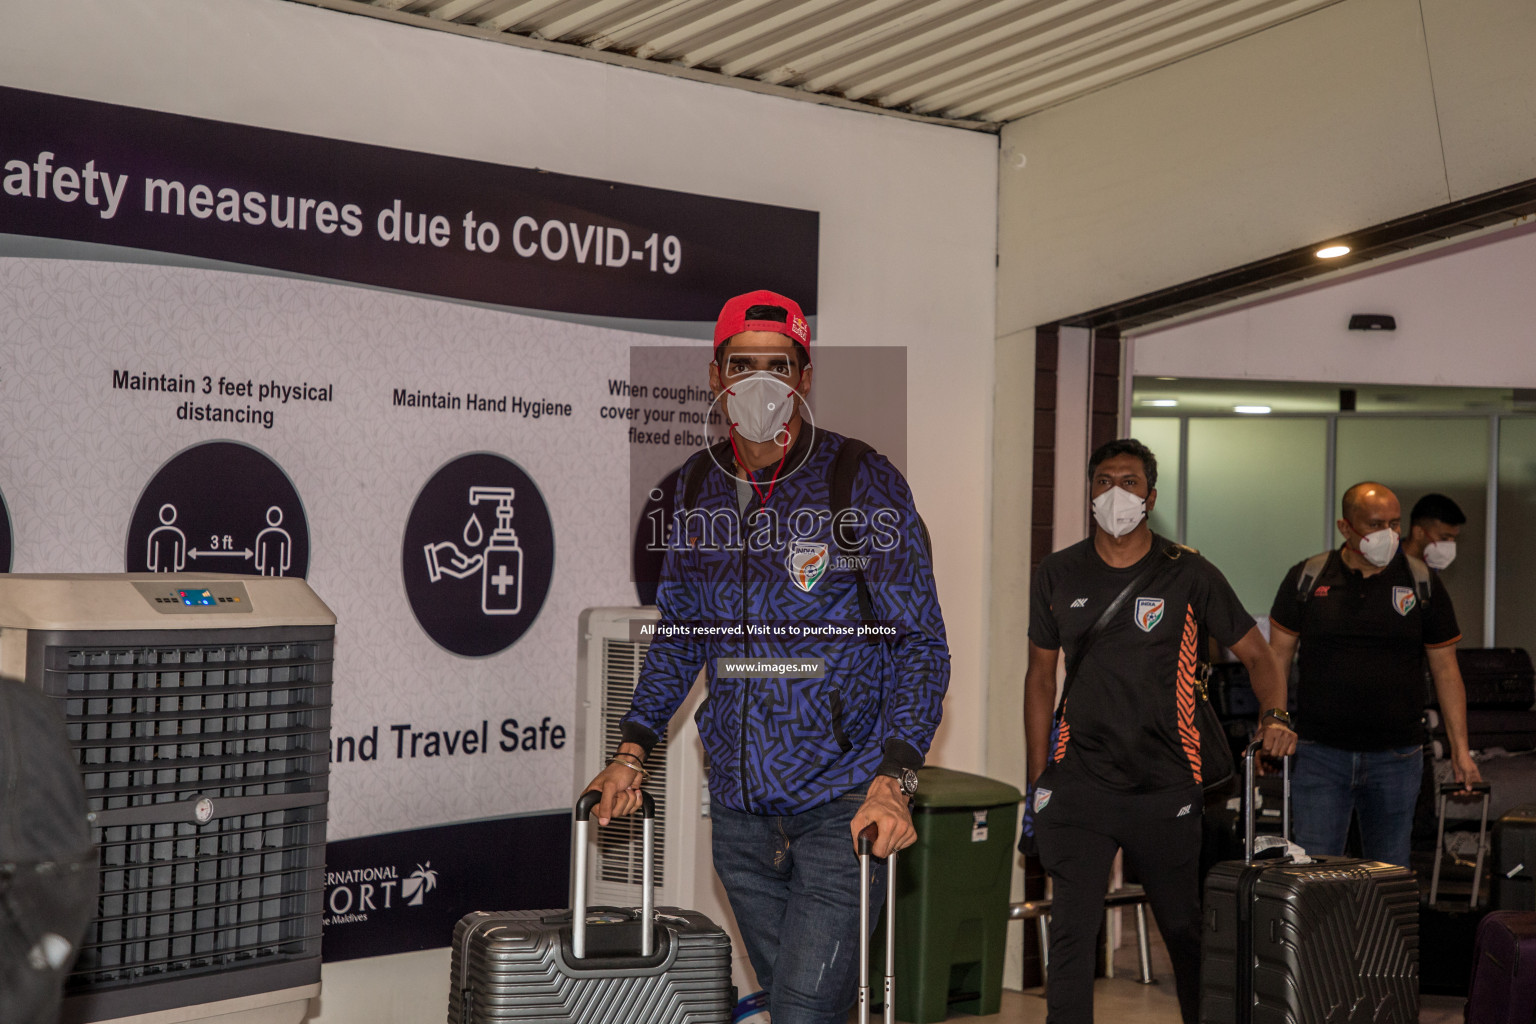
(593, 964)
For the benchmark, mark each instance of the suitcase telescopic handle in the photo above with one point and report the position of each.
(1250, 759)
(1450, 789)
(866, 850)
(582, 821)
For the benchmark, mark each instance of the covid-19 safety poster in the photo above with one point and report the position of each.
(406, 378)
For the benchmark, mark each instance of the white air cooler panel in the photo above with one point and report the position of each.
(198, 707)
(610, 654)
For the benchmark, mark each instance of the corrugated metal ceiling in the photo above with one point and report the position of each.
(976, 63)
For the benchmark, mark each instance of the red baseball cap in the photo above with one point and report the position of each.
(733, 318)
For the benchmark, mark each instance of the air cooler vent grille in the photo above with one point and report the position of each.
(240, 728)
(618, 844)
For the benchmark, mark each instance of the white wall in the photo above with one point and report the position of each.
(1466, 316)
(908, 216)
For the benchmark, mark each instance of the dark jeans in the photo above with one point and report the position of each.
(793, 882)
(1381, 786)
(1079, 829)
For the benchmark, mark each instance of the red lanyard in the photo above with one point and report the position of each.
(753, 480)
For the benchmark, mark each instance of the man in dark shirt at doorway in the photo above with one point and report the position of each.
(1366, 618)
(1124, 771)
(1433, 529)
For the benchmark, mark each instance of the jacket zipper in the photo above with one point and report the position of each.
(746, 652)
(839, 733)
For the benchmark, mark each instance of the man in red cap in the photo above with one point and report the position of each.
(826, 660)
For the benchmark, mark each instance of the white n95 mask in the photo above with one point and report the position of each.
(1440, 554)
(759, 406)
(1118, 511)
(1379, 547)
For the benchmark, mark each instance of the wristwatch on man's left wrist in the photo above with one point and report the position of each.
(1280, 715)
(905, 776)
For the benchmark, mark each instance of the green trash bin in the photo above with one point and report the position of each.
(952, 889)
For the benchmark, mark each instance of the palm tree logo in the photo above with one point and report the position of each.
(418, 883)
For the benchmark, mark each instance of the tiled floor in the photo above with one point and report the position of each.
(1124, 1000)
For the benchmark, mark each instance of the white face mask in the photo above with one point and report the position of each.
(1440, 554)
(760, 406)
(1379, 547)
(1118, 511)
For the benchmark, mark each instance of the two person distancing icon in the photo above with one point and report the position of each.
(168, 550)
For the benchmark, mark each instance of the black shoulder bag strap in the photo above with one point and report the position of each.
(1139, 583)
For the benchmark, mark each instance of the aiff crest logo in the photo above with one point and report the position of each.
(1149, 612)
(807, 562)
(1403, 599)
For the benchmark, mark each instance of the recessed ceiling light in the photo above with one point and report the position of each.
(1254, 410)
(1161, 403)
(1332, 252)
(1165, 378)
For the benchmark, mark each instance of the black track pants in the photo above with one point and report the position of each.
(1079, 827)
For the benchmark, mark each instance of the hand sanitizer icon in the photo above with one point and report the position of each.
(501, 569)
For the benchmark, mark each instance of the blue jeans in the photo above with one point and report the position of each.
(793, 882)
(1380, 786)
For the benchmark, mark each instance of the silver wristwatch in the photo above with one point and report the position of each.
(905, 776)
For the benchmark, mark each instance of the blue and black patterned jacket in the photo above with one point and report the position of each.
(778, 745)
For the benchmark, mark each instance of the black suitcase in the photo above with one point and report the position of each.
(592, 965)
(1231, 692)
(1514, 860)
(1448, 931)
(1497, 678)
(1334, 940)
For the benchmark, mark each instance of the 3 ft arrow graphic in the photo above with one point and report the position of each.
(247, 553)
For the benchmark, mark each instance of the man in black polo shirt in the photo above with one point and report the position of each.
(1365, 623)
(1124, 770)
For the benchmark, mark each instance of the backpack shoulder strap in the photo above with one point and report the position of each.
(845, 467)
(693, 478)
(1310, 571)
(1420, 572)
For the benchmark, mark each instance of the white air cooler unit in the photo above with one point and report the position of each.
(610, 652)
(199, 710)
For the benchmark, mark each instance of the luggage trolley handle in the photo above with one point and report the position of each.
(582, 820)
(1250, 758)
(866, 846)
(1449, 789)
